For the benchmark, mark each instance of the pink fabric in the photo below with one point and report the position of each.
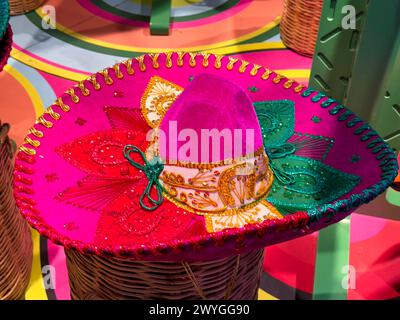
(211, 102)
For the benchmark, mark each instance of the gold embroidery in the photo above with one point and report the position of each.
(228, 187)
(154, 57)
(52, 113)
(231, 63)
(192, 60)
(278, 78)
(299, 88)
(242, 187)
(59, 102)
(177, 180)
(108, 80)
(224, 210)
(93, 80)
(183, 197)
(85, 91)
(168, 60)
(157, 98)
(201, 200)
(243, 66)
(179, 61)
(217, 63)
(204, 178)
(71, 93)
(170, 191)
(28, 151)
(288, 84)
(263, 211)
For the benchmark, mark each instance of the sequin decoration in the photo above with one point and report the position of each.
(306, 182)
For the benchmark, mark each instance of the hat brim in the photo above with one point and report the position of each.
(108, 106)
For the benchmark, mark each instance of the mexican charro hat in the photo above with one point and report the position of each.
(93, 176)
(5, 33)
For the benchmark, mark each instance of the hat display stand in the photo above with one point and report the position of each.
(230, 278)
(23, 6)
(300, 24)
(15, 236)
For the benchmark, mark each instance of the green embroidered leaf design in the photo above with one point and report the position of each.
(301, 182)
(276, 119)
(315, 184)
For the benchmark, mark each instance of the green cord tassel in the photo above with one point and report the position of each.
(281, 152)
(152, 169)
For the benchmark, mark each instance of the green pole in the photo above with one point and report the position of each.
(160, 17)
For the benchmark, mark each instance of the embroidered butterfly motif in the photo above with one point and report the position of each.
(302, 180)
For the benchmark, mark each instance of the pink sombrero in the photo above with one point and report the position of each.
(91, 177)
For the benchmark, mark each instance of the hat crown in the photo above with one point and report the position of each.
(211, 121)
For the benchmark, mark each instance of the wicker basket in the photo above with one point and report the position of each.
(231, 278)
(300, 24)
(23, 6)
(15, 236)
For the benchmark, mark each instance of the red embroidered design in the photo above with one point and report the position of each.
(112, 186)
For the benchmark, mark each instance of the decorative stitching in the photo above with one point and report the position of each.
(128, 65)
(266, 74)
(36, 133)
(299, 220)
(117, 71)
(71, 93)
(231, 63)
(154, 57)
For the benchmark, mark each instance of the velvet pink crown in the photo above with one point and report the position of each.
(210, 102)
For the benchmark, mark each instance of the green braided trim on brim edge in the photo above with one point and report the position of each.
(378, 146)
